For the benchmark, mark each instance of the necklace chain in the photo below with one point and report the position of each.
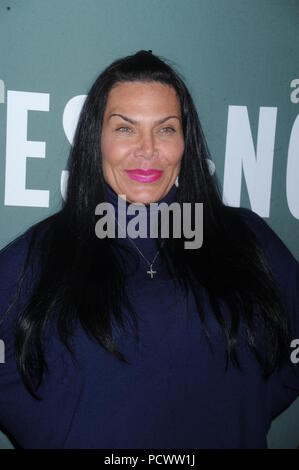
(150, 272)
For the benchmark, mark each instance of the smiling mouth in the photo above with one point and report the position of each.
(144, 176)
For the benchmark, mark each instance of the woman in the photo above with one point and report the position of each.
(142, 343)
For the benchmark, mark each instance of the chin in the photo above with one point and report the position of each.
(143, 199)
(140, 200)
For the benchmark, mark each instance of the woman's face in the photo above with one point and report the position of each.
(142, 140)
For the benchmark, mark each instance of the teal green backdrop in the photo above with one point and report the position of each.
(240, 62)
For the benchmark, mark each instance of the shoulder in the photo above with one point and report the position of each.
(283, 264)
(269, 240)
(13, 257)
(13, 260)
(260, 226)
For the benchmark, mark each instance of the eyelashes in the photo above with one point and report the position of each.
(128, 130)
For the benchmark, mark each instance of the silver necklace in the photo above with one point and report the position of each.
(150, 272)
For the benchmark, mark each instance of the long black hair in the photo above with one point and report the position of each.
(71, 290)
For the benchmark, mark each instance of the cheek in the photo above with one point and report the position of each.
(175, 153)
(106, 148)
(112, 152)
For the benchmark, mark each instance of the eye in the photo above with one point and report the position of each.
(124, 129)
(168, 130)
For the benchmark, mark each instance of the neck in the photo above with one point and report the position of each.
(149, 246)
(144, 215)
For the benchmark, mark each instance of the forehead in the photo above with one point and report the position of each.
(141, 95)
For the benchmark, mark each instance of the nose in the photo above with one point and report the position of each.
(147, 146)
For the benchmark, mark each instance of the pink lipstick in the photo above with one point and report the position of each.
(144, 176)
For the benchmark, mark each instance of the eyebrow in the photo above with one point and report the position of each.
(132, 121)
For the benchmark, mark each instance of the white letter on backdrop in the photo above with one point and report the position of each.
(70, 119)
(292, 176)
(18, 148)
(71, 115)
(240, 153)
(2, 92)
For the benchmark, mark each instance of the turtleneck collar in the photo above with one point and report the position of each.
(148, 246)
(112, 197)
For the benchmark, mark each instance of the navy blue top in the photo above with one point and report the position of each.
(175, 392)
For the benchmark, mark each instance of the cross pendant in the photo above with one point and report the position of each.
(151, 272)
